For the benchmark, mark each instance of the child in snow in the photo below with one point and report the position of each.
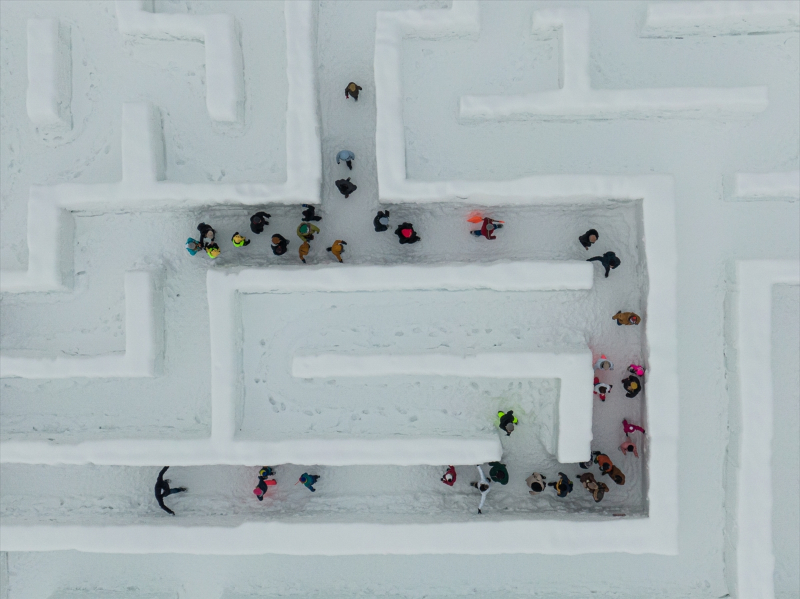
(303, 251)
(636, 369)
(631, 428)
(604, 364)
(498, 473)
(305, 231)
(626, 318)
(239, 240)
(337, 248)
(536, 483)
(601, 389)
(632, 385)
(598, 490)
(310, 213)
(563, 486)
(347, 156)
(352, 90)
(406, 234)
(628, 445)
(588, 238)
(212, 250)
(487, 227)
(207, 234)
(264, 482)
(484, 486)
(345, 187)
(279, 244)
(609, 260)
(449, 477)
(193, 246)
(381, 221)
(309, 480)
(507, 421)
(258, 221)
(162, 490)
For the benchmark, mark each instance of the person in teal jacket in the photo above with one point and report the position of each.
(193, 246)
(309, 480)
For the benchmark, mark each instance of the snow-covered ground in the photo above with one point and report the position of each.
(727, 138)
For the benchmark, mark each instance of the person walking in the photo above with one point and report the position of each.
(601, 389)
(264, 482)
(603, 363)
(609, 261)
(632, 385)
(239, 240)
(598, 490)
(628, 446)
(193, 246)
(381, 221)
(303, 251)
(406, 234)
(207, 234)
(498, 473)
(279, 244)
(162, 489)
(352, 90)
(310, 214)
(258, 221)
(536, 483)
(563, 486)
(484, 486)
(337, 249)
(603, 461)
(345, 187)
(507, 421)
(626, 318)
(631, 428)
(449, 477)
(347, 156)
(636, 369)
(306, 231)
(309, 480)
(588, 238)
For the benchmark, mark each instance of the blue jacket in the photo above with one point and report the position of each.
(308, 481)
(345, 155)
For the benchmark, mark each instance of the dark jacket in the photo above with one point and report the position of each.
(498, 473)
(376, 222)
(563, 485)
(584, 239)
(609, 260)
(345, 187)
(506, 419)
(632, 385)
(204, 229)
(258, 221)
(162, 490)
(412, 238)
(352, 90)
(310, 214)
(280, 248)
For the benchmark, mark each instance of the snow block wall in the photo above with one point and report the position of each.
(379, 373)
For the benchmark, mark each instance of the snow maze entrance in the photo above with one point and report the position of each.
(120, 353)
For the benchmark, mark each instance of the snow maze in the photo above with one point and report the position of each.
(670, 127)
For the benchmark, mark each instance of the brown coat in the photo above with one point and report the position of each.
(337, 248)
(627, 318)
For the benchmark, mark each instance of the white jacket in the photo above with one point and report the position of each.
(484, 481)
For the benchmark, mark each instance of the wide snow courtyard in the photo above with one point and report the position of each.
(670, 129)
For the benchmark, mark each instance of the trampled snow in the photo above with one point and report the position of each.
(121, 352)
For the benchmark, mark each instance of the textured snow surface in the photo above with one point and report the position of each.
(185, 111)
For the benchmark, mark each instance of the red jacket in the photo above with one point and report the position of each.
(485, 230)
(452, 472)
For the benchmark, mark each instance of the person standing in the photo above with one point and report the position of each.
(347, 156)
(306, 231)
(352, 90)
(303, 251)
(536, 483)
(498, 473)
(310, 213)
(507, 421)
(258, 221)
(449, 477)
(381, 221)
(588, 238)
(309, 480)
(563, 486)
(609, 261)
(345, 187)
(279, 244)
(406, 234)
(239, 240)
(626, 318)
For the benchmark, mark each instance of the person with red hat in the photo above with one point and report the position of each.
(406, 233)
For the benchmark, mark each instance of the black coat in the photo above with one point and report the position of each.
(414, 238)
(258, 221)
(280, 248)
(584, 239)
(376, 222)
(204, 229)
(626, 383)
(345, 187)
(609, 260)
(162, 490)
